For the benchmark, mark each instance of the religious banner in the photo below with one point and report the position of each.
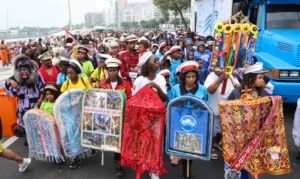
(42, 136)
(142, 138)
(189, 128)
(67, 112)
(254, 137)
(102, 122)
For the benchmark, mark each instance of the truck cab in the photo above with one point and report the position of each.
(278, 44)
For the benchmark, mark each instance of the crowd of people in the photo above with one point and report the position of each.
(173, 65)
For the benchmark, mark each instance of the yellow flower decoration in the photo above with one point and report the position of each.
(255, 36)
(254, 29)
(217, 69)
(229, 70)
(237, 28)
(219, 34)
(246, 27)
(228, 28)
(215, 60)
(219, 27)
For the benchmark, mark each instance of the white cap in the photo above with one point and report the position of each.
(188, 66)
(164, 72)
(143, 38)
(143, 59)
(258, 67)
(113, 44)
(112, 62)
(73, 61)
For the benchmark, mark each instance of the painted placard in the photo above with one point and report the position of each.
(189, 128)
(102, 122)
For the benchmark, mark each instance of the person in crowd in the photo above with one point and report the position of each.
(154, 48)
(169, 43)
(33, 54)
(188, 86)
(48, 71)
(200, 53)
(175, 62)
(130, 58)
(51, 93)
(267, 85)
(165, 62)
(4, 51)
(143, 46)
(100, 73)
(190, 56)
(209, 38)
(114, 82)
(75, 81)
(68, 46)
(202, 74)
(181, 45)
(166, 74)
(113, 49)
(210, 45)
(82, 56)
(219, 86)
(188, 48)
(163, 48)
(253, 84)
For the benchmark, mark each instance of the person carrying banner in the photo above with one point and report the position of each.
(114, 82)
(188, 86)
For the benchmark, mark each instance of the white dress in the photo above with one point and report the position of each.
(296, 128)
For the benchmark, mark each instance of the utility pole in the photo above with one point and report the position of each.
(7, 19)
(70, 17)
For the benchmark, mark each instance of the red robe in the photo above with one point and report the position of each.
(121, 85)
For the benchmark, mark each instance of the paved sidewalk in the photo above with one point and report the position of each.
(6, 72)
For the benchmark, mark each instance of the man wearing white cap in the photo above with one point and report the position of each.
(114, 82)
(130, 58)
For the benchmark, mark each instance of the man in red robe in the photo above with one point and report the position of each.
(47, 70)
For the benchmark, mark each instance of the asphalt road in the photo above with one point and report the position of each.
(91, 168)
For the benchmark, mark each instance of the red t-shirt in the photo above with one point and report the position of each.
(47, 78)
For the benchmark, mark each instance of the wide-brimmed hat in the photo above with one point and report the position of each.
(257, 67)
(76, 65)
(188, 66)
(112, 62)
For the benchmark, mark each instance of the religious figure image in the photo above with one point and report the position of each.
(188, 142)
(88, 121)
(113, 101)
(91, 99)
(102, 123)
(91, 138)
(116, 125)
(112, 141)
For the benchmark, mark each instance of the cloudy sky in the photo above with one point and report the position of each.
(47, 13)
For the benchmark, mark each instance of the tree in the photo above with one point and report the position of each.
(126, 25)
(179, 6)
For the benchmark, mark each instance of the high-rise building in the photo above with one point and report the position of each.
(94, 19)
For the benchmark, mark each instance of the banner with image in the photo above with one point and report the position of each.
(103, 113)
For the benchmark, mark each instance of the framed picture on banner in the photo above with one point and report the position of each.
(102, 119)
(189, 128)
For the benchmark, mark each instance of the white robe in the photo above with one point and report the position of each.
(296, 128)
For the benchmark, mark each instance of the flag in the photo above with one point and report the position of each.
(70, 35)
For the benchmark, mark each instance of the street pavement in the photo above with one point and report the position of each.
(91, 167)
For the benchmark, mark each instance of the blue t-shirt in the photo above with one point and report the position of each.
(173, 76)
(205, 59)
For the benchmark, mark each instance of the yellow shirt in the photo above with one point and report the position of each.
(102, 76)
(79, 85)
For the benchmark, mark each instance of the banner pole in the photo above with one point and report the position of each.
(188, 168)
(102, 158)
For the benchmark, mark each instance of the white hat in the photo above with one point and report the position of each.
(255, 68)
(144, 58)
(113, 44)
(75, 62)
(112, 62)
(188, 66)
(103, 57)
(210, 43)
(143, 38)
(131, 38)
(164, 72)
(174, 49)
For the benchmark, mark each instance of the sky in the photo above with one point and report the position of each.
(47, 13)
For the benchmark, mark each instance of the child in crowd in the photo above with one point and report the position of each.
(166, 73)
(165, 62)
(201, 72)
(143, 45)
(100, 73)
(154, 48)
(267, 85)
(175, 62)
(190, 56)
(51, 93)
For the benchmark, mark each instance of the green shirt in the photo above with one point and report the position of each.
(88, 68)
(48, 106)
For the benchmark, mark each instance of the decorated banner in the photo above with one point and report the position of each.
(189, 128)
(42, 136)
(103, 113)
(234, 44)
(254, 137)
(142, 138)
(67, 112)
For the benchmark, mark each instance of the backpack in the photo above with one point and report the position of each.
(81, 81)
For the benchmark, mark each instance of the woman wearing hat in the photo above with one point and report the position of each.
(252, 83)
(163, 48)
(188, 86)
(74, 81)
(113, 49)
(175, 62)
(82, 56)
(200, 53)
(188, 47)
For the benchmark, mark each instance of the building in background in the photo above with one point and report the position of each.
(95, 19)
(121, 5)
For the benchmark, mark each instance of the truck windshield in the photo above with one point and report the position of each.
(283, 16)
